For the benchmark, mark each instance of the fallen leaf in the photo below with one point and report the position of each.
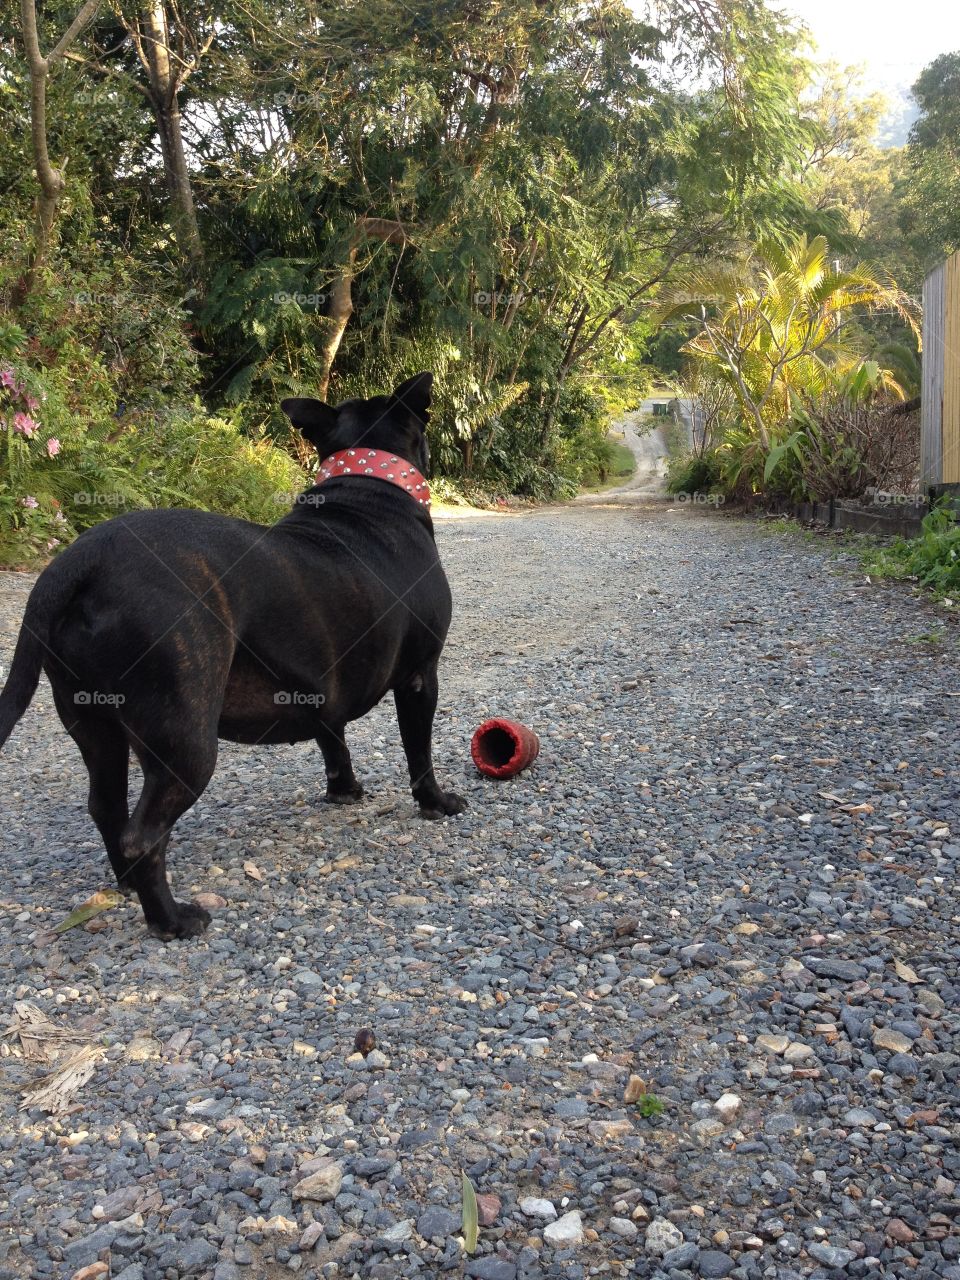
(103, 900)
(471, 1217)
(253, 871)
(905, 972)
(54, 1091)
(636, 1088)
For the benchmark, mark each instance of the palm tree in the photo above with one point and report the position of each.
(771, 321)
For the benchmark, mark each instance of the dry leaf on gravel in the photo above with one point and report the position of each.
(905, 972)
(53, 1092)
(40, 1039)
(103, 900)
(253, 871)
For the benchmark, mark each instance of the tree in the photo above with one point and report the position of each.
(771, 322)
(931, 185)
(51, 178)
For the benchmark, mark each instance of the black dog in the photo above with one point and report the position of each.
(163, 631)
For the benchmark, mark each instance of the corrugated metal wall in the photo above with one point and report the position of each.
(940, 404)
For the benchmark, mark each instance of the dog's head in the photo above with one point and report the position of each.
(396, 423)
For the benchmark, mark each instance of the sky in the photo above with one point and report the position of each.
(893, 40)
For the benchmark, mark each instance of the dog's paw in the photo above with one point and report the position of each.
(442, 805)
(189, 922)
(352, 796)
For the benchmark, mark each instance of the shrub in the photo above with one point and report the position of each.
(694, 472)
(933, 558)
(189, 460)
(62, 471)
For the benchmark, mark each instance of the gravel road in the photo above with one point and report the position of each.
(732, 875)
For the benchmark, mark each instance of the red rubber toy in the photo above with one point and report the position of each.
(501, 748)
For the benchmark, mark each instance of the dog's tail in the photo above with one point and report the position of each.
(24, 674)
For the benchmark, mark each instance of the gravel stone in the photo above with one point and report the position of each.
(725, 874)
(567, 1230)
(662, 1236)
(713, 1265)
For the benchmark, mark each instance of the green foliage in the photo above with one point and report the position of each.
(495, 193)
(617, 466)
(933, 558)
(790, 409)
(650, 1106)
(61, 472)
(930, 188)
(694, 473)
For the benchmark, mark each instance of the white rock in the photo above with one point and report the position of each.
(727, 1106)
(566, 1230)
(796, 1052)
(662, 1236)
(624, 1227)
(772, 1044)
(534, 1207)
(399, 1231)
(321, 1185)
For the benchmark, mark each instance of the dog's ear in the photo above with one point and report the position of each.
(414, 395)
(316, 420)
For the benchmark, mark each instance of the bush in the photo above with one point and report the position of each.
(933, 558)
(843, 448)
(62, 472)
(694, 472)
(194, 461)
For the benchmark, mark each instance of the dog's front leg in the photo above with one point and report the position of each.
(342, 784)
(416, 703)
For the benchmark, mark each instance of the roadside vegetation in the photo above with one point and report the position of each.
(551, 206)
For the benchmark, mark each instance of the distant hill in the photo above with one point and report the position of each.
(895, 125)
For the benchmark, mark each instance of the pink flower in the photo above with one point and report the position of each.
(53, 447)
(54, 542)
(23, 423)
(30, 503)
(9, 379)
(33, 404)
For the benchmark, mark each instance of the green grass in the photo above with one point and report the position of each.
(650, 1106)
(620, 466)
(931, 559)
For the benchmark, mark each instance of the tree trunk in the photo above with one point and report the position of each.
(164, 83)
(340, 304)
(51, 179)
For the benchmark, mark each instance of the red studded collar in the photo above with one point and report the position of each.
(381, 466)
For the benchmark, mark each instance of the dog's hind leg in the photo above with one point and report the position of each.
(342, 784)
(416, 703)
(169, 790)
(106, 754)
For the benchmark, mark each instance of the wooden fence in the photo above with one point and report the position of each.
(940, 392)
